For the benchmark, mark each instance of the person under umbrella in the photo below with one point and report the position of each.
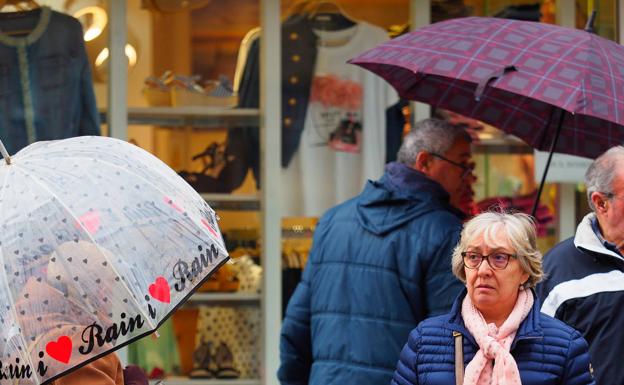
(499, 334)
(558, 89)
(380, 263)
(65, 312)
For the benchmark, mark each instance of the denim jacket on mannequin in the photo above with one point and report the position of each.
(46, 91)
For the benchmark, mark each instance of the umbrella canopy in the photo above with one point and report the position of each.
(100, 243)
(522, 77)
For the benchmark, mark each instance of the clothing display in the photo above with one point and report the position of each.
(248, 273)
(314, 68)
(342, 144)
(227, 340)
(298, 58)
(243, 51)
(46, 91)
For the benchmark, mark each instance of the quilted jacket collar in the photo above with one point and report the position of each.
(529, 328)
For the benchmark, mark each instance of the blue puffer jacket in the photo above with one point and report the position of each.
(547, 351)
(380, 263)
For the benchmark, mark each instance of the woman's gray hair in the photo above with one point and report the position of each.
(520, 235)
(599, 175)
(430, 135)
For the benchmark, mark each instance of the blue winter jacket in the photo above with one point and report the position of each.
(584, 287)
(380, 263)
(547, 351)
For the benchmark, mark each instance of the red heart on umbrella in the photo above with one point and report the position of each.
(60, 349)
(90, 221)
(160, 290)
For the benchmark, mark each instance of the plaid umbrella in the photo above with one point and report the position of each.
(537, 81)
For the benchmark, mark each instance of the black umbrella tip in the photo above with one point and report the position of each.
(589, 27)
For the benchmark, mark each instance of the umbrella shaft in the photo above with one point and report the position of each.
(550, 154)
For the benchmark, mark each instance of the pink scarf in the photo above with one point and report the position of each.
(494, 344)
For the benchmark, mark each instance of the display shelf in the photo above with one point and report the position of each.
(224, 297)
(200, 381)
(191, 116)
(232, 202)
(268, 120)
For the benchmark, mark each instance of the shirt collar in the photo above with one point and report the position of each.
(608, 245)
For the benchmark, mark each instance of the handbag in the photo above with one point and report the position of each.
(459, 358)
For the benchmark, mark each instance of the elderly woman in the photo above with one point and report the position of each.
(495, 333)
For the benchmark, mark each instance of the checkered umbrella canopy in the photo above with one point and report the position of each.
(522, 77)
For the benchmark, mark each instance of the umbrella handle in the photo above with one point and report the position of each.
(5, 153)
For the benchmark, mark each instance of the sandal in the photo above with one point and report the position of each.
(225, 363)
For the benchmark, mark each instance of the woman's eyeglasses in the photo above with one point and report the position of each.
(497, 261)
(467, 169)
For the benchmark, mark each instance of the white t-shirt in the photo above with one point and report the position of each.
(343, 143)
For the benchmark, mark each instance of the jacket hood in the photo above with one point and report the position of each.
(586, 240)
(401, 195)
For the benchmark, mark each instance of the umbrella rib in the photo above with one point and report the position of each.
(10, 294)
(555, 81)
(617, 114)
(139, 306)
(516, 107)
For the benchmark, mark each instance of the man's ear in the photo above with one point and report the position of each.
(599, 201)
(422, 162)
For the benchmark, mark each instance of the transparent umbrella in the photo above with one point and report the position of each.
(100, 243)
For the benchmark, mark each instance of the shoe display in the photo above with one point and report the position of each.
(225, 362)
(177, 90)
(204, 365)
(234, 332)
(214, 159)
(156, 90)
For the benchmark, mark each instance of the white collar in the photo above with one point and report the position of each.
(586, 239)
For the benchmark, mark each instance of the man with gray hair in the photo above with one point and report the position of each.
(380, 263)
(584, 284)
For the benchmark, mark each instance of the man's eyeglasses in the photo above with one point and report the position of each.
(613, 195)
(467, 169)
(497, 261)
